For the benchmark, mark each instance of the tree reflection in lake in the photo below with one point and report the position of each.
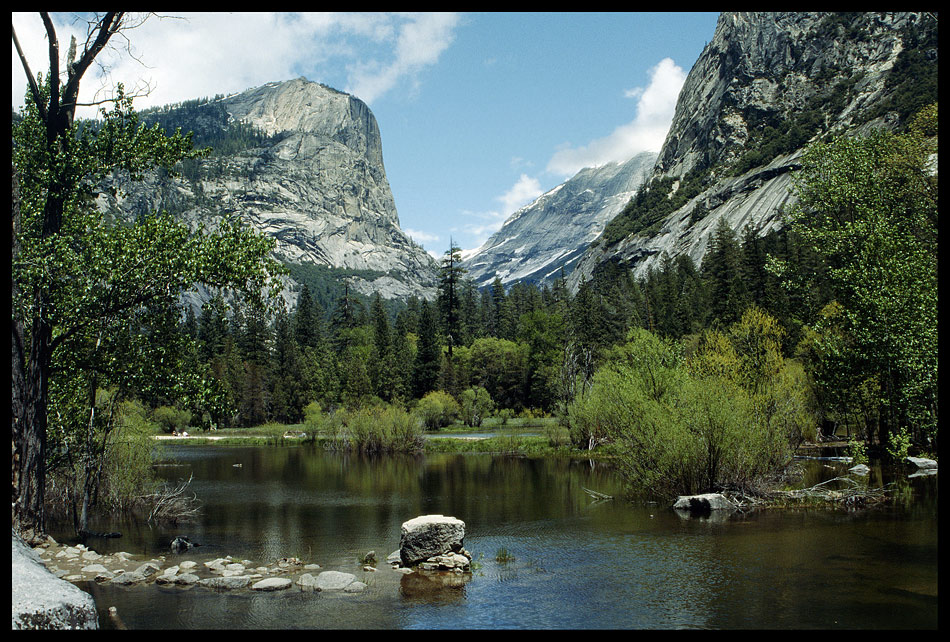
(578, 562)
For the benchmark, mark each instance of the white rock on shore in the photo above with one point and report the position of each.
(43, 601)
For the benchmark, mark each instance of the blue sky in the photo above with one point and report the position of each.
(479, 113)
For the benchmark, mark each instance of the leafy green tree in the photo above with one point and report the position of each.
(75, 279)
(476, 404)
(722, 268)
(383, 374)
(308, 322)
(499, 366)
(868, 206)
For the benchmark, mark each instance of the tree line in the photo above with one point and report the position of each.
(836, 313)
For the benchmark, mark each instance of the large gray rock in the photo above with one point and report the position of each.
(921, 462)
(227, 583)
(552, 232)
(43, 601)
(704, 503)
(272, 584)
(428, 536)
(327, 581)
(762, 67)
(318, 187)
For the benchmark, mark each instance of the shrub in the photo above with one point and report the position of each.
(171, 419)
(476, 405)
(128, 471)
(728, 418)
(313, 417)
(376, 429)
(437, 410)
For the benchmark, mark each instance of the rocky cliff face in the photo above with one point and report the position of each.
(550, 234)
(763, 88)
(315, 181)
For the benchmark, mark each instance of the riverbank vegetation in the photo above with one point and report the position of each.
(692, 378)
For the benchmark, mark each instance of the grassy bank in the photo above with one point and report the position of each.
(533, 437)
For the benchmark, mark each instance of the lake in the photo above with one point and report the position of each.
(578, 563)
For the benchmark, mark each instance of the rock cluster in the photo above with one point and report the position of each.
(431, 557)
(79, 563)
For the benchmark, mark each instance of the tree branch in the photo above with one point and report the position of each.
(34, 89)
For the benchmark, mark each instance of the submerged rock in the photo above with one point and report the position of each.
(272, 584)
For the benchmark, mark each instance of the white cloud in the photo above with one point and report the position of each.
(421, 237)
(418, 44)
(521, 193)
(203, 54)
(646, 132)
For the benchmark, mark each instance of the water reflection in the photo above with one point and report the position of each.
(577, 562)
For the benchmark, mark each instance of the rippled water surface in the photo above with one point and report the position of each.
(578, 563)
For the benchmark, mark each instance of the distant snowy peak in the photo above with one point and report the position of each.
(540, 239)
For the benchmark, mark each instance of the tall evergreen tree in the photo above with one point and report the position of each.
(451, 273)
(429, 353)
(722, 268)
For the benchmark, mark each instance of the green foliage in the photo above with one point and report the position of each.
(313, 417)
(476, 404)
(171, 419)
(376, 429)
(128, 471)
(724, 418)
(868, 207)
(437, 409)
(651, 205)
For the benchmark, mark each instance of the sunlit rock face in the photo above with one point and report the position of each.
(761, 69)
(547, 236)
(317, 185)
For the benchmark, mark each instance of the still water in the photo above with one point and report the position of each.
(578, 563)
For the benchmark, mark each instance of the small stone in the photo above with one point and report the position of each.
(333, 581)
(148, 569)
(272, 584)
(91, 555)
(125, 579)
(312, 567)
(186, 579)
(188, 565)
(94, 568)
(235, 567)
(236, 582)
(354, 587)
(369, 569)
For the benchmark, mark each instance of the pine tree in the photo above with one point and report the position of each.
(449, 299)
(428, 354)
(722, 269)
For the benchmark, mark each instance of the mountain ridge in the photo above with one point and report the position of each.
(314, 180)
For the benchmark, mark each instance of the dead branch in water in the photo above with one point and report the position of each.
(857, 496)
(171, 503)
